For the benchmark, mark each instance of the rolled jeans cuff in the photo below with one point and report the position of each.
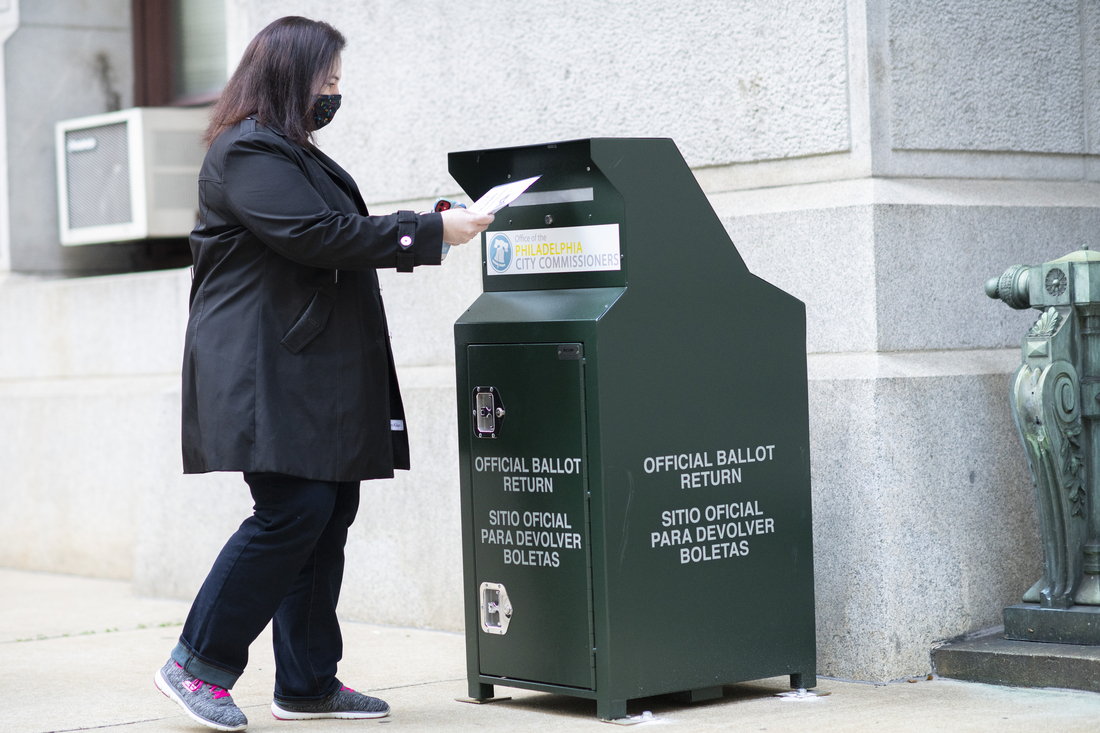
(202, 669)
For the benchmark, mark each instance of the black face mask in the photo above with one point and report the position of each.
(324, 109)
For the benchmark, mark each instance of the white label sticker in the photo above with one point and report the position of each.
(542, 251)
(397, 425)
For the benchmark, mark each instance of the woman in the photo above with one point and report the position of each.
(288, 375)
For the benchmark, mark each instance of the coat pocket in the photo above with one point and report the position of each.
(311, 323)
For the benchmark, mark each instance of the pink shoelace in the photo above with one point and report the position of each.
(345, 688)
(196, 684)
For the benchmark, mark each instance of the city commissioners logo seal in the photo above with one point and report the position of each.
(500, 252)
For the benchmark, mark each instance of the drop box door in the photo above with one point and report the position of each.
(531, 553)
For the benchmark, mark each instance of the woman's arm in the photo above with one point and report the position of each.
(272, 196)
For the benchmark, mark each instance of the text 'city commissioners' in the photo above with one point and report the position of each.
(542, 251)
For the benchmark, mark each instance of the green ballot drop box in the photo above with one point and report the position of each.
(633, 438)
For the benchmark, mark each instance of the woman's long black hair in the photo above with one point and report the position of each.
(278, 77)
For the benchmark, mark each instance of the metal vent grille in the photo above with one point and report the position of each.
(97, 168)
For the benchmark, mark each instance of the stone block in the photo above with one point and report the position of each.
(77, 457)
(924, 519)
(123, 325)
(932, 263)
(975, 75)
(902, 277)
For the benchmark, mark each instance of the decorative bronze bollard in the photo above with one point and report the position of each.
(1055, 398)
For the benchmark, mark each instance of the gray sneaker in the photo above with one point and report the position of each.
(204, 703)
(345, 703)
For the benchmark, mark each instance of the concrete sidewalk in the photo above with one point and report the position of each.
(79, 653)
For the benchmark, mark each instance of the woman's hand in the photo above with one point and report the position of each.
(460, 225)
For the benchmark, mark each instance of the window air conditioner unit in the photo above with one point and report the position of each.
(132, 174)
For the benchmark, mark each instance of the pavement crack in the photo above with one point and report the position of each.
(415, 684)
(91, 632)
(110, 725)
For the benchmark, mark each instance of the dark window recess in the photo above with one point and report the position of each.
(179, 51)
(153, 52)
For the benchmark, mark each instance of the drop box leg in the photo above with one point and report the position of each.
(479, 691)
(803, 681)
(610, 709)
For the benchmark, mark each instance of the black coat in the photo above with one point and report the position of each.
(287, 365)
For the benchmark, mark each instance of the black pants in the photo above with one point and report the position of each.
(286, 564)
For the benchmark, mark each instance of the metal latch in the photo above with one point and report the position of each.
(488, 412)
(496, 609)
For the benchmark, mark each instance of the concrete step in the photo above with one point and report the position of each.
(995, 660)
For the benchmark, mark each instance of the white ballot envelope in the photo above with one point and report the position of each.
(500, 196)
(495, 199)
